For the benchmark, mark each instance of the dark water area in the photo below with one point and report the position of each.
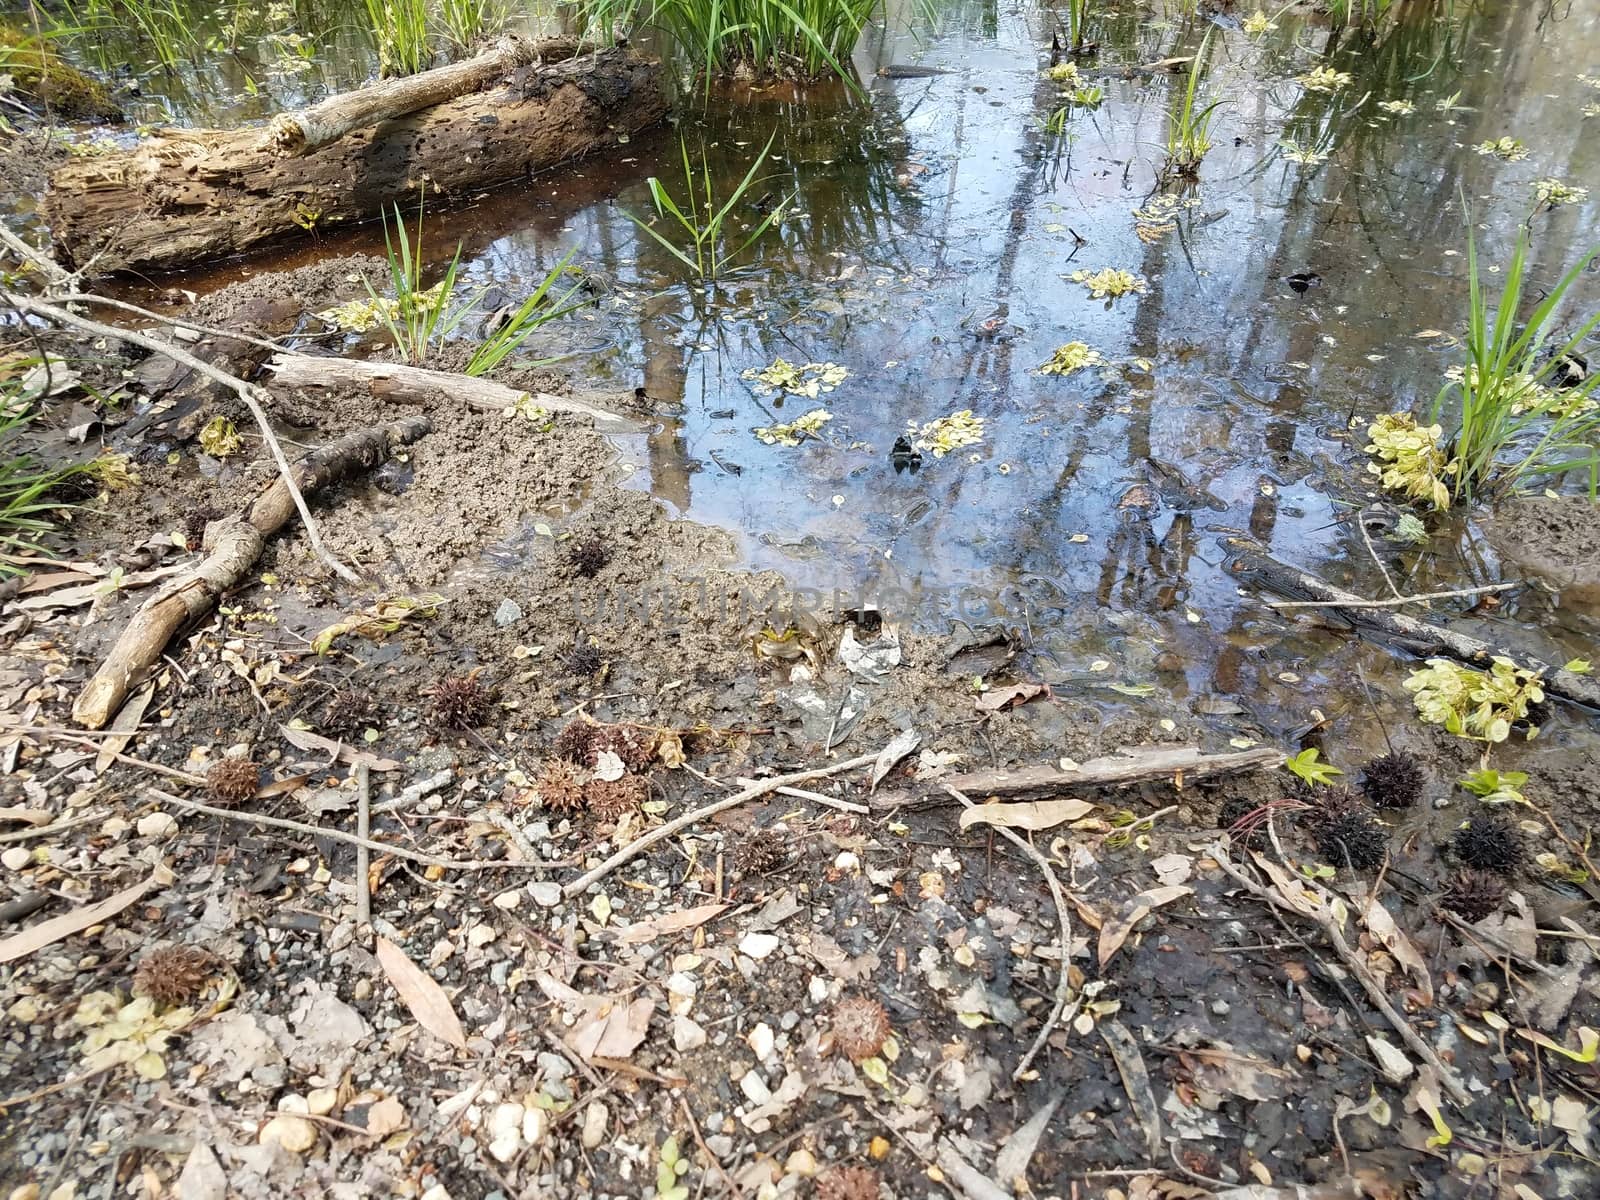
(928, 246)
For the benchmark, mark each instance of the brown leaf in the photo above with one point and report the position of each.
(304, 739)
(37, 937)
(1116, 930)
(1034, 814)
(613, 1032)
(1002, 698)
(688, 918)
(421, 995)
(124, 727)
(1382, 927)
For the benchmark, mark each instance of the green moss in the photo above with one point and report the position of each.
(40, 74)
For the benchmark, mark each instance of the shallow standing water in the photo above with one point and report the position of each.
(928, 245)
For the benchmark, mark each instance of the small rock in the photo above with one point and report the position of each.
(535, 1125)
(686, 1035)
(505, 1132)
(761, 1040)
(545, 893)
(753, 1086)
(594, 1125)
(509, 613)
(801, 1162)
(758, 945)
(1221, 1007)
(157, 825)
(294, 1134)
(321, 1101)
(16, 858)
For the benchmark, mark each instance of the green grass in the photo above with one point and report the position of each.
(1511, 423)
(699, 225)
(418, 316)
(538, 309)
(1189, 122)
(1078, 12)
(465, 23)
(25, 484)
(399, 29)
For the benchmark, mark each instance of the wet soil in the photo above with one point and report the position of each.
(1553, 539)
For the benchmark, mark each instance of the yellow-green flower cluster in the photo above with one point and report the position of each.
(1553, 193)
(1063, 72)
(1409, 458)
(1306, 156)
(1324, 79)
(1074, 356)
(945, 434)
(1509, 148)
(792, 433)
(808, 379)
(1258, 23)
(1110, 282)
(359, 316)
(1475, 704)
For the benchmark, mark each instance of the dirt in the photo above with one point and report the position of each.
(1553, 539)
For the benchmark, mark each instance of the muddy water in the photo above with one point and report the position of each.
(928, 248)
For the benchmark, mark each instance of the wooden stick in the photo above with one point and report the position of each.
(1064, 983)
(363, 851)
(1354, 964)
(233, 545)
(816, 798)
(1422, 638)
(633, 849)
(1281, 605)
(417, 385)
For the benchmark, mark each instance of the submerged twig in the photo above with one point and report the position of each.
(1398, 599)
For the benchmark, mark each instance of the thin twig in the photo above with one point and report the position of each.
(363, 851)
(634, 848)
(816, 798)
(38, 831)
(1387, 578)
(1064, 983)
(250, 394)
(1397, 601)
(428, 860)
(694, 1128)
(175, 322)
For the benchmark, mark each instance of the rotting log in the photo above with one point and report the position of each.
(301, 132)
(232, 546)
(416, 385)
(1252, 564)
(184, 197)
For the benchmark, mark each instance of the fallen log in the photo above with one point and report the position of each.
(417, 385)
(1250, 563)
(232, 546)
(184, 197)
(1177, 764)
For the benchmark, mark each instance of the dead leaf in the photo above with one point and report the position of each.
(304, 739)
(1001, 698)
(1218, 1068)
(1011, 1163)
(1029, 814)
(124, 727)
(1382, 927)
(614, 1031)
(902, 744)
(1135, 1080)
(425, 999)
(1116, 930)
(37, 937)
(28, 816)
(688, 918)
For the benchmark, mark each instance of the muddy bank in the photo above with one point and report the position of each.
(1554, 539)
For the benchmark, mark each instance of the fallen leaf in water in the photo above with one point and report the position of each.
(1001, 698)
(425, 999)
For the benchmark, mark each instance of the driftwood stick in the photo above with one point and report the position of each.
(252, 396)
(1064, 982)
(634, 848)
(304, 131)
(1419, 598)
(1422, 638)
(416, 385)
(232, 546)
(1353, 962)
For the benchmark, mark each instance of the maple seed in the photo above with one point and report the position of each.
(848, 1183)
(860, 1027)
(461, 702)
(173, 975)
(233, 781)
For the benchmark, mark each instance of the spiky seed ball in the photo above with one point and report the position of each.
(173, 975)
(634, 746)
(860, 1027)
(233, 780)
(1490, 842)
(575, 743)
(560, 786)
(1473, 895)
(1347, 835)
(588, 555)
(612, 798)
(195, 522)
(1394, 780)
(583, 660)
(462, 702)
(349, 710)
(759, 854)
(847, 1183)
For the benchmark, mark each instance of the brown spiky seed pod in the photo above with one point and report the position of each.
(860, 1027)
(1347, 835)
(634, 746)
(588, 555)
(560, 786)
(233, 780)
(462, 702)
(349, 710)
(848, 1183)
(173, 975)
(759, 854)
(1394, 780)
(575, 743)
(1490, 842)
(611, 798)
(583, 660)
(1473, 895)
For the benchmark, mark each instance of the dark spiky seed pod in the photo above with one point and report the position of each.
(462, 702)
(195, 522)
(760, 853)
(612, 798)
(233, 780)
(1473, 895)
(1490, 842)
(560, 786)
(1394, 780)
(634, 746)
(848, 1183)
(1236, 809)
(173, 975)
(588, 555)
(349, 710)
(575, 743)
(583, 660)
(1347, 835)
(860, 1027)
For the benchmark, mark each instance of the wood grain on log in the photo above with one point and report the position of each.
(184, 197)
(232, 546)
(416, 385)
